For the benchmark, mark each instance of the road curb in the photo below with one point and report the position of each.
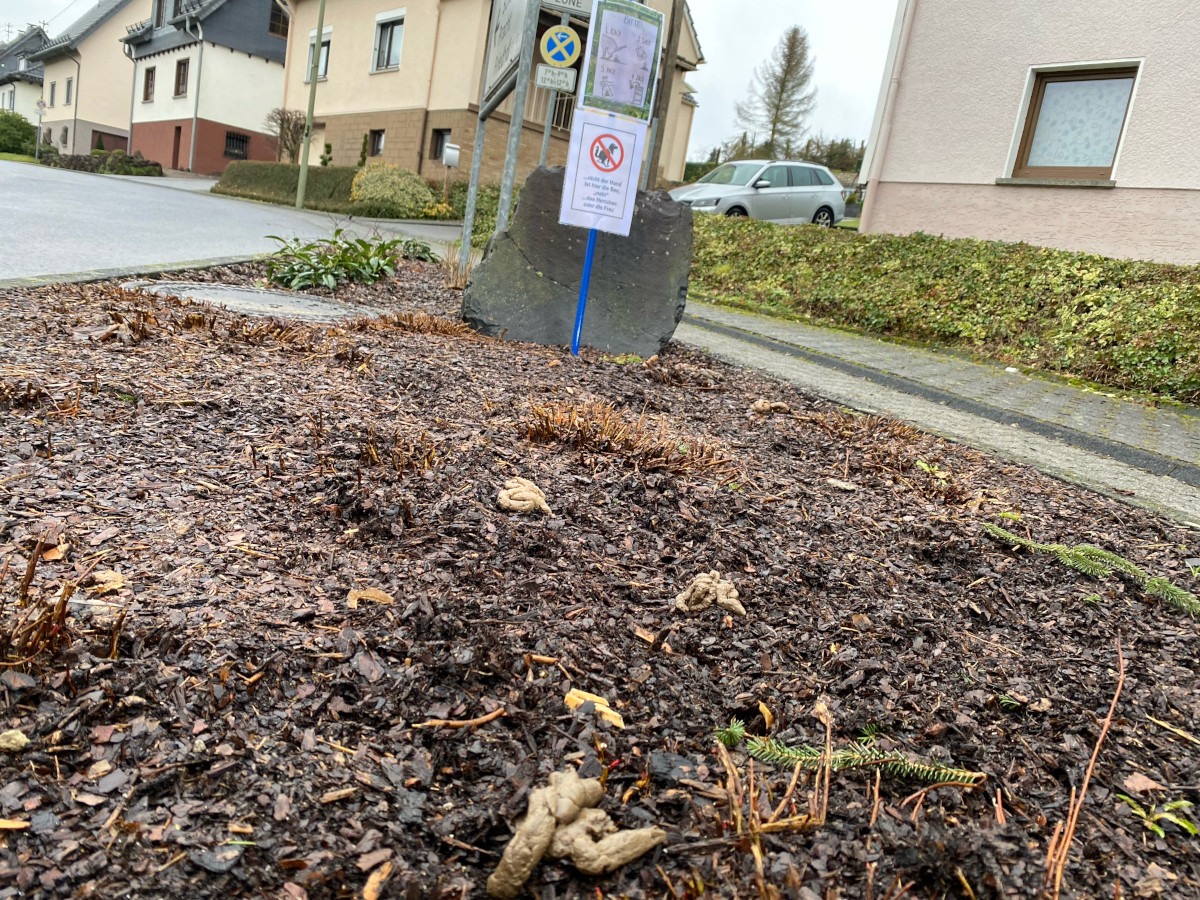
(125, 272)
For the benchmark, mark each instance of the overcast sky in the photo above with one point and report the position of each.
(849, 40)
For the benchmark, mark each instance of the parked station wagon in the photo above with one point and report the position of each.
(791, 193)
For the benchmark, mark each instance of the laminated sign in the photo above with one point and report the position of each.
(621, 65)
(603, 164)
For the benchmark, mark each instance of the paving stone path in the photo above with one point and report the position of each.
(257, 301)
(1147, 455)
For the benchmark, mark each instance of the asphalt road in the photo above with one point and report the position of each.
(55, 222)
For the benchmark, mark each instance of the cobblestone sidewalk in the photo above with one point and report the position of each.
(1149, 456)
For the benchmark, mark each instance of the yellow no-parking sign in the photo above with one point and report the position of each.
(561, 46)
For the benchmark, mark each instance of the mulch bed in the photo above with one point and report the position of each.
(217, 487)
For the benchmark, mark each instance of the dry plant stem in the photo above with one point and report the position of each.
(30, 569)
(461, 723)
(1000, 817)
(1061, 850)
(787, 796)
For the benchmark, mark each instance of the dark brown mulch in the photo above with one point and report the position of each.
(254, 735)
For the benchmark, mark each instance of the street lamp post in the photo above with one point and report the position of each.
(302, 184)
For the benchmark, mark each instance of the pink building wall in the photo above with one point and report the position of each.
(953, 105)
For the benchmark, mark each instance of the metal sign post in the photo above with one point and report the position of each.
(550, 108)
(517, 124)
(500, 64)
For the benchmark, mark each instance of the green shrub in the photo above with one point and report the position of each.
(694, 171)
(328, 187)
(301, 264)
(15, 132)
(385, 187)
(362, 156)
(1126, 323)
(327, 155)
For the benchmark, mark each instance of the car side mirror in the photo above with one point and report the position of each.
(762, 183)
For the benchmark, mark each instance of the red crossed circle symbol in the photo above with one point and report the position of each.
(607, 153)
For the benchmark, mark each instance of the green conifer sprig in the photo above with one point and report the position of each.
(859, 757)
(1099, 563)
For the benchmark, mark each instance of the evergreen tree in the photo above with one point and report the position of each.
(781, 95)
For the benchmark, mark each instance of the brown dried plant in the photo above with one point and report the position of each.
(600, 427)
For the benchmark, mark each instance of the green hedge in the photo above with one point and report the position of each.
(1129, 324)
(328, 187)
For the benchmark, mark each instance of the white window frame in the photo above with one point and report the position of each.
(69, 92)
(326, 36)
(1031, 79)
(391, 17)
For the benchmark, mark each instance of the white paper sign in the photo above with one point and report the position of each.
(504, 42)
(603, 164)
(553, 78)
(621, 64)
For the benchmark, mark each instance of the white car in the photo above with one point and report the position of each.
(790, 193)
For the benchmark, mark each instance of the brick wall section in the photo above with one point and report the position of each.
(408, 141)
(156, 140)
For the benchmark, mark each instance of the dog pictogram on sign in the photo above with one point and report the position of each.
(607, 153)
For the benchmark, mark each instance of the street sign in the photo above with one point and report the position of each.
(621, 65)
(504, 43)
(603, 163)
(41, 107)
(552, 79)
(561, 46)
(581, 9)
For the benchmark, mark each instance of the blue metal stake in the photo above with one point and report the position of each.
(583, 289)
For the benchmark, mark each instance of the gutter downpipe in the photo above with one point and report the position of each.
(875, 169)
(437, 32)
(128, 51)
(196, 105)
(75, 105)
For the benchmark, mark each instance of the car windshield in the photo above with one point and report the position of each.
(731, 173)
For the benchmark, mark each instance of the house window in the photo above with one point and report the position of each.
(279, 22)
(53, 91)
(160, 13)
(64, 135)
(437, 146)
(377, 142)
(181, 78)
(148, 85)
(236, 145)
(323, 65)
(389, 36)
(1074, 124)
(67, 92)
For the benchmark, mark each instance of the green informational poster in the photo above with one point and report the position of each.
(623, 50)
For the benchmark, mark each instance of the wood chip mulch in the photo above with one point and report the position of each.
(290, 537)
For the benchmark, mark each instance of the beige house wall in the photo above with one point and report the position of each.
(436, 86)
(959, 93)
(102, 85)
(21, 97)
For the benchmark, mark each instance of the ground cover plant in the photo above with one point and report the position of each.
(305, 653)
(1125, 323)
(299, 264)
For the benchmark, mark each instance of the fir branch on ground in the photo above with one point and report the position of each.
(863, 756)
(1099, 563)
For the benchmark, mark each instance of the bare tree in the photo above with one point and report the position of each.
(781, 96)
(287, 127)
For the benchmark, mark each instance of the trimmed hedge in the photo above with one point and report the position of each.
(105, 162)
(391, 191)
(1130, 324)
(328, 187)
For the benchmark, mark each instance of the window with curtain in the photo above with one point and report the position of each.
(1074, 124)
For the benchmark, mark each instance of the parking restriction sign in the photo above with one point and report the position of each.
(561, 46)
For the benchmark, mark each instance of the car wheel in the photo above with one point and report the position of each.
(824, 217)
(736, 213)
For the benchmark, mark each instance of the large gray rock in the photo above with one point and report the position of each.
(527, 286)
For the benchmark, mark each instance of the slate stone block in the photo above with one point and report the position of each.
(527, 285)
